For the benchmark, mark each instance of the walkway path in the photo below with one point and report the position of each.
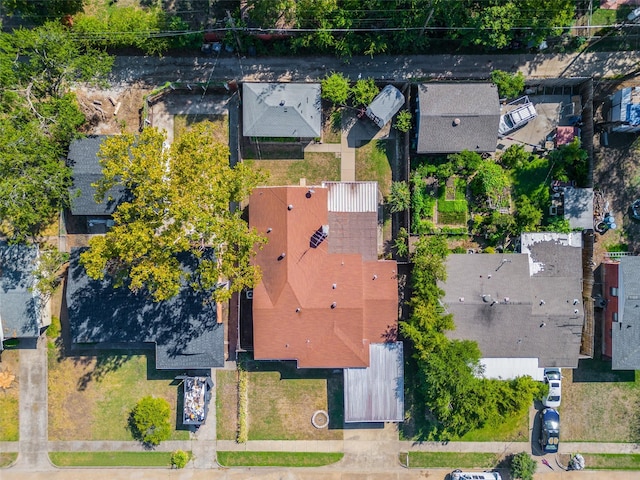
(33, 409)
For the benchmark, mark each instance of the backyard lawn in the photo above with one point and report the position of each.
(90, 397)
(373, 163)
(9, 427)
(181, 123)
(282, 400)
(315, 167)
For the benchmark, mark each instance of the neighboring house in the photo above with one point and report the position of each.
(86, 171)
(457, 116)
(22, 312)
(524, 310)
(385, 105)
(625, 110)
(184, 329)
(281, 110)
(621, 329)
(325, 300)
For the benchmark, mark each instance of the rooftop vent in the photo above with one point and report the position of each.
(289, 207)
(334, 305)
(282, 255)
(269, 230)
(486, 298)
(318, 236)
(310, 192)
(456, 122)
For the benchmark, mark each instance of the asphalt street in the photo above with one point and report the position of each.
(154, 71)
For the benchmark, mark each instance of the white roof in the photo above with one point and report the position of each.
(352, 196)
(510, 368)
(385, 105)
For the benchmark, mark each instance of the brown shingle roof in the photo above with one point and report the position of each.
(365, 293)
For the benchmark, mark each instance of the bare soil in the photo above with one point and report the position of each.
(100, 111)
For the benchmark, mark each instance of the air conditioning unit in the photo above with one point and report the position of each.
(249, 294)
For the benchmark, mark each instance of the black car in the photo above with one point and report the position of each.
(549, 430)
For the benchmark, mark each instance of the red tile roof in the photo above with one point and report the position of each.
(322, 309)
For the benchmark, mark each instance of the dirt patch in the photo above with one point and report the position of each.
(99, 107)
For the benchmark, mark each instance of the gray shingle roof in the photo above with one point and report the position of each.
(19, 308)
(83, 160)
(510, 311)
(475, 105)
(281, 110)
(625, 333)
(184, 329)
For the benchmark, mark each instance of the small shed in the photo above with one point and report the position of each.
(376, 393)
(385, 105)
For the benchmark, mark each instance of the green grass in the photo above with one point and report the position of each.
(104, 388)
(182, 123)
(450, 460)
(452, 203)
(315, 168)
(111, 459)
(611, 461)
(9, 398)
(533, 180)
(373, 163)
(277, 459)
(7, 458)
(283, 398)
(603, 17)
(226, 404)
(514, 429)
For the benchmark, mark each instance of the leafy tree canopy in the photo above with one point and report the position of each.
(180, 199)
(400, 196)
(510, 85)
(522, 466)
(42, 11)
(150, 420)
(403, 121)
(335, 88)
(364, 91)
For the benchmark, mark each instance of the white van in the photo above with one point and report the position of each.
(518, 117)
(460, 475)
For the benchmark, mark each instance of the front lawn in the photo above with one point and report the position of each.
(226, 404)
(611, 461)
(277, 459)
(9, 397)
(373, 163)
(111, 459)
(595, 399)
(91, 397)
(283, 398)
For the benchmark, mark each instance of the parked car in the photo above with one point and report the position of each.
(553, 377)
(634, 14)
(552, 398)
(549, 430)
(460, 475)
(518, 117)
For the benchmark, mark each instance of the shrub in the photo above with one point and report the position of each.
(403, 121)
(364, 91)
(489, 250)
(510, 85)
(402, 242)
(150, 420)
(400, 197)
(335, 88)
(522, 466)
(179, 459)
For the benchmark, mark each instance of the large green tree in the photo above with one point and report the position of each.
(150, 420)
(180, 203)
(38, 119)
(448, 371)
